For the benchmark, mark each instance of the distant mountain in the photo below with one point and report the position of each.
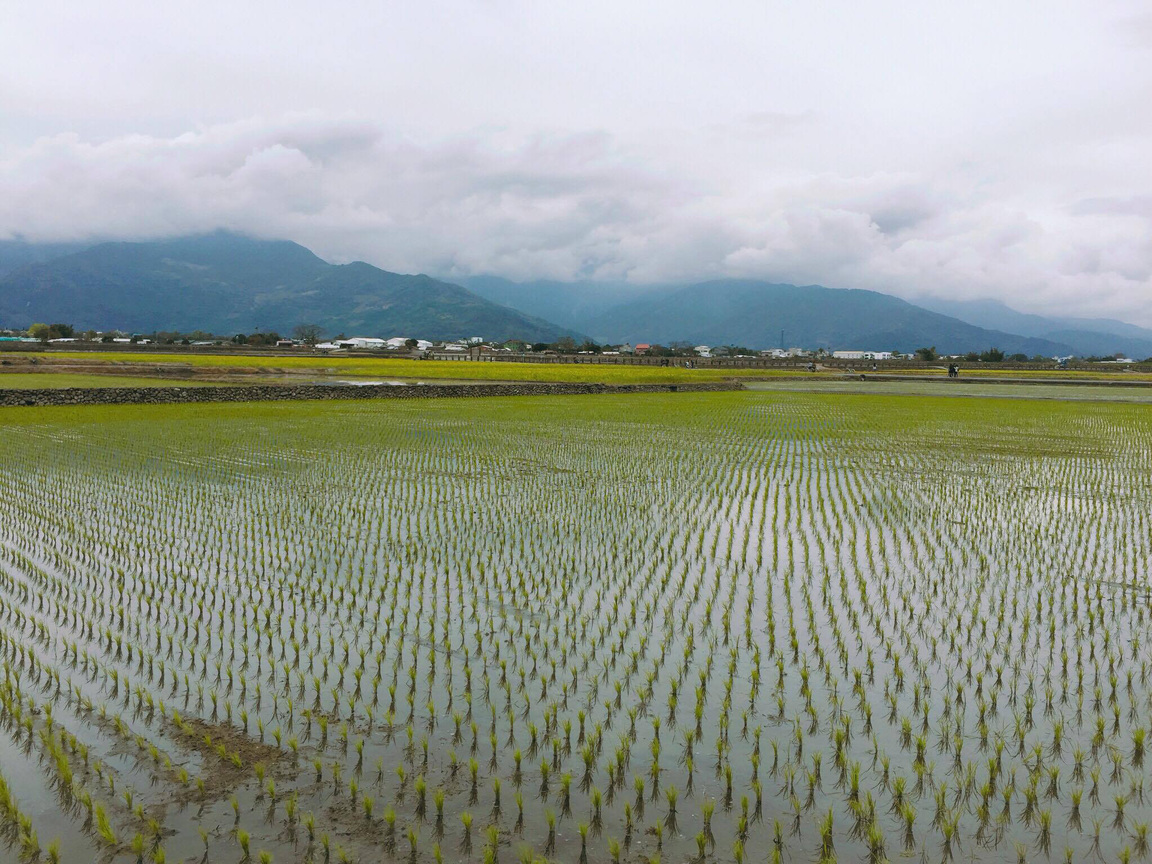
(1085, 336)
(226, 283)
(18, 253)
(753, 314)
(559, 301)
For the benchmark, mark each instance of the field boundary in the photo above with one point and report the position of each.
(298, 392)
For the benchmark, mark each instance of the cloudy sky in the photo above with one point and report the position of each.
(978, 149)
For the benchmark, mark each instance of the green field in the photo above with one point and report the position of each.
(383, 367)
(40, 380)
(423, 369)
(733, 627)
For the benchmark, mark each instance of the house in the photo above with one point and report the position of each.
(626, 349)
(285, 343)
(423, 345)
(370, 342)
(326, 346)
(455, 346)
(784, 354)
(643, 348)
(703, 351)
(848, 355)
(398, 342)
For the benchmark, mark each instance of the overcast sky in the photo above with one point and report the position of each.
(964, 149)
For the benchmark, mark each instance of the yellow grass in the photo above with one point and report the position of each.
(389, 368)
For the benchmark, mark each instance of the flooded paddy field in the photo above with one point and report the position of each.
(987, 388)
(758, 626)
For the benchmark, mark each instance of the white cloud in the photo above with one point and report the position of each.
(933, 151)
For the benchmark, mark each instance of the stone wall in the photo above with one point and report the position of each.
(273, 392)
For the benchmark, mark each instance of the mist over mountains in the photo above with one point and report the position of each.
(227, 283)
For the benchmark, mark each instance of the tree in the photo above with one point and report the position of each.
(40, 331)
(566, 345)
(410, 343)
(926, 354)
(309, 334)
(63, 331)
(992, 355)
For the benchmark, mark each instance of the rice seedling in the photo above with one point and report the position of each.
(882, 623)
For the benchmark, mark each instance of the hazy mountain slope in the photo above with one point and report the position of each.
(753, 314)
(15, 254)
(1086, 336)
(227, 283)
(574, 303)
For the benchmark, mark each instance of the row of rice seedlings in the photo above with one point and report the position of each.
(701, 568)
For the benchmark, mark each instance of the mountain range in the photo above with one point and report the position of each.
(228, 283)
(1086, 336)
(754, 313)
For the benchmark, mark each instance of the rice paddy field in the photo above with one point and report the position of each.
(732, 627)
(388, 368)
(50, 380)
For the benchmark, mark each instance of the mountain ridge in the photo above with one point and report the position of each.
(227, 283)
(752, 313)
(1086, 336)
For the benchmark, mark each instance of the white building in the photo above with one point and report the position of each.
(397, 342)
(362, 342)
(703, 350)
(862, 355)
